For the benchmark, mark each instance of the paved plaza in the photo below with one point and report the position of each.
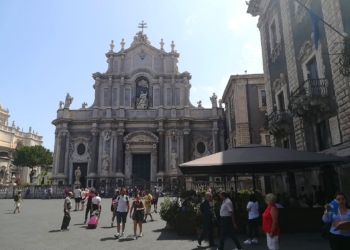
(37, 228)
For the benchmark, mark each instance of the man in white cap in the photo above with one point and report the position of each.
(155, 198)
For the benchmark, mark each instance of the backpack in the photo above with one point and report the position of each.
(16, 198)
(127, 198)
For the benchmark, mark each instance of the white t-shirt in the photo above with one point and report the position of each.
(76, 193)
(226, 208)
(254, 210)
(95, 200)
(122, 203)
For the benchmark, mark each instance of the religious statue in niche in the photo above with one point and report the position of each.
(174, 157)
(77, 174)
(105, 161)
(142, 94)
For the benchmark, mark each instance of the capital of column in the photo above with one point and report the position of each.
(161, 131)
(215, 130)
(64, 132)
(186, 131)
(95, 132)
(120, 132)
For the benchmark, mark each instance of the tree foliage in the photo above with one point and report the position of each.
(32, 156)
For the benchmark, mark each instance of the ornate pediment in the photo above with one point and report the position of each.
(200, 147)
(278, 84)
(140, 137)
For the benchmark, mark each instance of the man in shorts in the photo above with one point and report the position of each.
(155, 198)
(77, 198)
(148, 199)
(18, 199)
(122, 204)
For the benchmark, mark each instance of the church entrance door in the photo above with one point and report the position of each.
(83, 169)
(141, 166)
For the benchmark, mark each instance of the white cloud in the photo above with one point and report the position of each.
(241, 20)
(189, 24)
(251, 59)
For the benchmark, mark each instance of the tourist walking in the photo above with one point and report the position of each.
(155, 198)
(270, 222)
(137, 215)
(206, 209)
(123, 206)
(18, 198)
(43, 192)
(228, 222)
(338, 239)
(148, 199)
(83, 196)
(88, 201)
(253, 220)
(114, 205)
(67, 205)
(96, 204)
(27, 193)
(49, 192)
(77, 198)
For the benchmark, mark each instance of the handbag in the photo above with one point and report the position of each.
(325, 231)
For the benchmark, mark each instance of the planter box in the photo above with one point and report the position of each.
(185, 223)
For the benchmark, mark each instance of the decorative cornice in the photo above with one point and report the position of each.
(129, 136)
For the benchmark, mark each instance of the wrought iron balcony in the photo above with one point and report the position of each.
(279, 123)
(311, 99)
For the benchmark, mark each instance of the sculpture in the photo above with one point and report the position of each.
(112, 46)
(83, 106)
(107, 133)
(220, 103)
(13, 124)
(174, 157)
(68, 101)
(140, 38)
(77, 175)
(30, 129)
(161, 44)
(142, 102)
(60, 105)
(199, 104)
(213, 100)
(172, 46)
(122, 44)
(105, 161)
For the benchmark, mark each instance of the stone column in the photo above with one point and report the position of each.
(94, 151)
(150, 95)
(110, 64)
(172, 91)
(215, 137)
(120, 151)
(122, 63)
(161, 150)
(161, 91)
(186, 144)
(97, 91)
(121, 93)
(63, 148)
(110, 84)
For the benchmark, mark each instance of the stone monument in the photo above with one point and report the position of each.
(77, 176)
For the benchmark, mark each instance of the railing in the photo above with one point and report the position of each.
(279, 117)
(314, 88)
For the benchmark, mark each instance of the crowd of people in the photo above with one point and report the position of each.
(138, 210)
(339, 239)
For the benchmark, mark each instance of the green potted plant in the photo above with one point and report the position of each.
(168, 211)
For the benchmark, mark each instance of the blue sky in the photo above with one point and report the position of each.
(49, 48)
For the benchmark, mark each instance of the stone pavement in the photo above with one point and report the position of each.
(37, 228)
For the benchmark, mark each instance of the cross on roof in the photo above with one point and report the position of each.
(142, 25)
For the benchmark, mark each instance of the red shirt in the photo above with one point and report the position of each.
(90, 196)
(267, 221)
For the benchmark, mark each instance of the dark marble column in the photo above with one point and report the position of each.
(161, 150)
(94, 151)
(186, 145)
(216, 139)
(62, 160)
(120, 150)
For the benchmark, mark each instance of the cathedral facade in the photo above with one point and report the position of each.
(141, 124)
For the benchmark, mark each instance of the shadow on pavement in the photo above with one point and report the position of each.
(54, 231)
(10, 213)
(108, 238)
(106, 227)
(166, 234)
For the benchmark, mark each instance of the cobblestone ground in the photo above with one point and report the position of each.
(37, 228)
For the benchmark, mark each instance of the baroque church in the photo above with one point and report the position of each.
(141, 125)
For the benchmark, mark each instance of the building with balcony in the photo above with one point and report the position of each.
(306, 70)
(12, 137)
(245, 103)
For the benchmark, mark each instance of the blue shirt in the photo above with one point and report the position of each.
(332, 217)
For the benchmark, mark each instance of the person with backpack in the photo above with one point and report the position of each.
(123, 206)
(113, 206)
(18, 198)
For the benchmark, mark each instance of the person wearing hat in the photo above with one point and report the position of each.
(67, 207)
(155, 198)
